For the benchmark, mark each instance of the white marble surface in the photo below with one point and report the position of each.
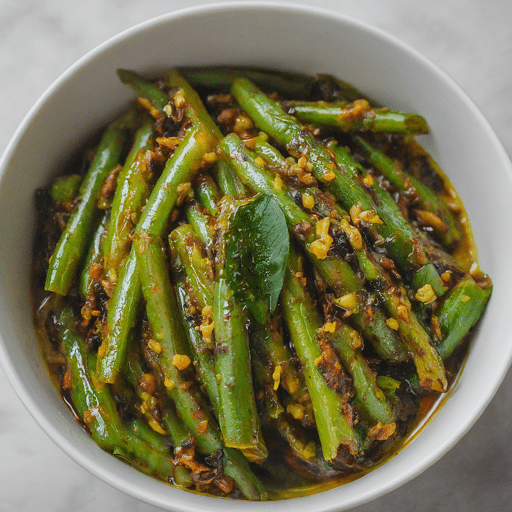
(470, 39)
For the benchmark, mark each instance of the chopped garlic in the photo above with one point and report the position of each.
(202, 426)
(307, 179)
(153, 111)
(292, 384)
(302, 162)
(179, 99)
(242, 124)
(447, 275)
(354, 235)
(356, 340)
(322, 227)
(355, 212)
(329, 326)
(381, 432)
(155, 346)
(392, 323)
(169, 142)
(296, 410)
(347, 301)
(403, 313)
(181, 361)
(308, 201)
(168, 383)
(276, 376)
(309, 450)
(207, 326)
(184, 187)
(260, 161)
(320, 247)
(156, 426)
(426, 294)
(210, 157)
(368, 180)
(297, 169)
(370, 216)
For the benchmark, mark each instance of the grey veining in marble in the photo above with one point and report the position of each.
(471, 40)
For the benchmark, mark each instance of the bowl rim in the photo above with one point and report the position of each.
(16, 381)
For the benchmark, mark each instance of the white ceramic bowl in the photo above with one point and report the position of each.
(284, 37)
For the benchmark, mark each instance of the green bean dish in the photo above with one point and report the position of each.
(254, 284)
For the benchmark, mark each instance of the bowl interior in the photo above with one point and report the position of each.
(248, 34)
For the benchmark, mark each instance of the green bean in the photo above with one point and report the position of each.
(238, 416)
(445, 223)
(286, 130)
(180, 168)
(427, 360)
(96, 406)
(144, 88)
(401, 238)
(337, 272)
(188, 253)
(121, 318)
(193, 275)
(186, 161)
(200, 223)
(295, 436)
(176, 430)
(267, 339)
(292, 84)
(462, 308)
(173, 424)
(94, 253)
(369, 398)
(172, 348)
(207, 193)
(74, 240)
(398, 307)
(143, 431)
(237, 467)
(134, 374)
(357, 116)
(228, 181)
(168, 333)
(334, 428)
(65, 188)
(132, 191)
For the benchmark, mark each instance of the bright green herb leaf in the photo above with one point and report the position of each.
(257, 246)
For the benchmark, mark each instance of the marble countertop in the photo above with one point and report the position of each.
(469, 39)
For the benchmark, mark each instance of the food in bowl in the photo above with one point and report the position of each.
(252, 283)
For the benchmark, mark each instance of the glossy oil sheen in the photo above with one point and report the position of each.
(314, 41)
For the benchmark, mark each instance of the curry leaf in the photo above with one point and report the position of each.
(257, 246)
